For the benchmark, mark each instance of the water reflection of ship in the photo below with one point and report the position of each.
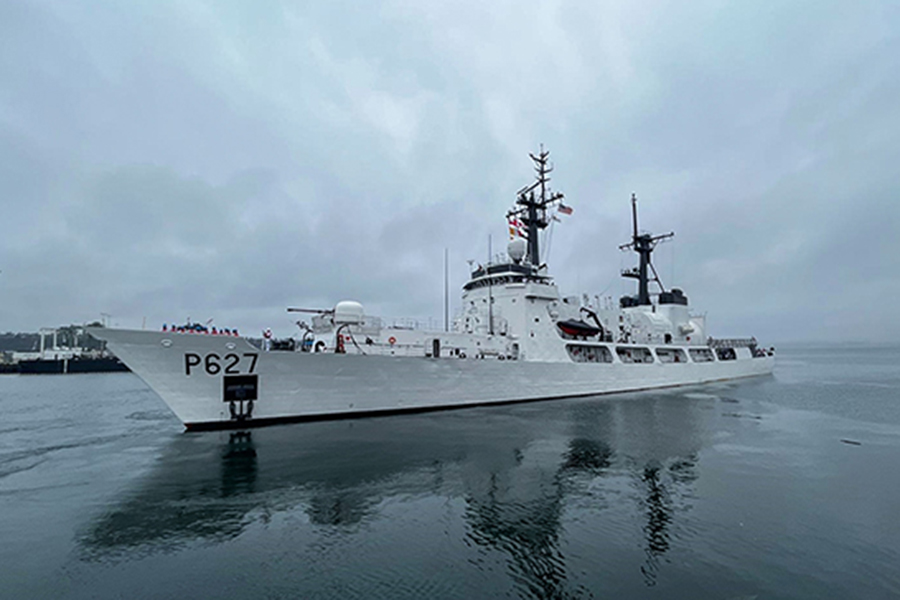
(522, 515)
(519, 470)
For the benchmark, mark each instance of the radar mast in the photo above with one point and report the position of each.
(643, 244)
(532, 208)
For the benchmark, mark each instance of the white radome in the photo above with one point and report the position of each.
(348, 312)
(516, 249)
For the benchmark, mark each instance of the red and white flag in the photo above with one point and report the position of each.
(516, 228)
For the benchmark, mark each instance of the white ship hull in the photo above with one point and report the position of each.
(189, 373)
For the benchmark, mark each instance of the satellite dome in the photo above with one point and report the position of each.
(348, 311)
(516, 249)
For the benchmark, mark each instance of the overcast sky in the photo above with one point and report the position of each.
(164, 160)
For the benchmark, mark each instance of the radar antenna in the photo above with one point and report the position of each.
(532, 209)
(643, 244)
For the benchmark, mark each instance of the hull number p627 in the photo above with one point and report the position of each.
(213, 364)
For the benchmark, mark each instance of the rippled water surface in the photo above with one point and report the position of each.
(781, 487)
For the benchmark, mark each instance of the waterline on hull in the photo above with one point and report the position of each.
(268, 421)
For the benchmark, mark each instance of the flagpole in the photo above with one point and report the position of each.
(490, 291)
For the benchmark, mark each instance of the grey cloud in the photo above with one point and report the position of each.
(161, 159)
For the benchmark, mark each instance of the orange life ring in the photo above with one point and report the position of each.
(392, 340)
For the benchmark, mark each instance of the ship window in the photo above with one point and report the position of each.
(583, 353)
(634, 355)
(701, 354)
(671, 355)
(726, 353)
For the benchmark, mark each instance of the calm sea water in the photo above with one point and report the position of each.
(781, 487)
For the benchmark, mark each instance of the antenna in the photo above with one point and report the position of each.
(446, 293)
(490, 291)
(634, 214)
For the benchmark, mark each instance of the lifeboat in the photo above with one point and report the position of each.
(577, 328)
